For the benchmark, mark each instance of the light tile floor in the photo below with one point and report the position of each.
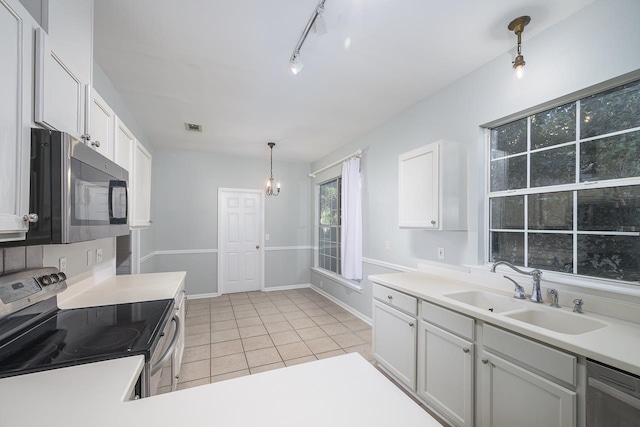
(246, 333)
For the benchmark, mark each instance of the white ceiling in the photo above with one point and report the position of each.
(224, 64)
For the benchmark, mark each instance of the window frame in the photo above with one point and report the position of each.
(338, 257)
(574, 187)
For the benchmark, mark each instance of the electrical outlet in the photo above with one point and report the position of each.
(387, 245)
(98, 255)
(90, 258)
(62, 265)
(440, 252)
(266, 236)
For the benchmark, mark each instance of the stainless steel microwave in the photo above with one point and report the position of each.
(76, 192)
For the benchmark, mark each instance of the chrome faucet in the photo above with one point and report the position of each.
(536, 294)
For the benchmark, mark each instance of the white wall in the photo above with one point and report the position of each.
(185, 196)
(598, 43)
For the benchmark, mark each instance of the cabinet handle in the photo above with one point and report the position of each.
(95, 144)
(433, 222)
(466, 350)
(390, 297)
(485, 361)
(86, 137)
(32, 218)
(411, 324)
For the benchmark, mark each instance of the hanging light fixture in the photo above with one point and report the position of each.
(269, 189)
(315, 22)
(517, 26)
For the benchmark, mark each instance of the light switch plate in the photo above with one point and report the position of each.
(267, 236)
(98, 255)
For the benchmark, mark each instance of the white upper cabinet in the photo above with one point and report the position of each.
(16, 53)
(64, 58)
(141, 185)
(103, 126)
(124, 143)
(432, 187)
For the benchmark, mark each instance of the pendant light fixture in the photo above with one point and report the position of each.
(517, 26)
(269, 189)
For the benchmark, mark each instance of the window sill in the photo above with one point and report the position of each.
(337, 278)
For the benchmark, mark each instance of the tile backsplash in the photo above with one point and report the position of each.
(20, 257)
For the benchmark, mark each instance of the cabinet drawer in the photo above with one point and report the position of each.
(546, 359)
(449, 320)
(396, 299)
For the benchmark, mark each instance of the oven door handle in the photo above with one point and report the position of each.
(170, 349)
(615, 393)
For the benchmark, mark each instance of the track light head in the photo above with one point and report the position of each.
(296, 65)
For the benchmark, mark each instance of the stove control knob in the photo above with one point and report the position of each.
(46, 280)
(54, 278)
(62, 276)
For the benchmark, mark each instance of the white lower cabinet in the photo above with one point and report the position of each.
(514, 396)
(445, 373)
(394, 342)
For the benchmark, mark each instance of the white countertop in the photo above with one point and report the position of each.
(123, 289)
(617, 344)
(340, 391)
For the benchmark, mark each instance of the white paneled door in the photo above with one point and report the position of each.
(240, 255)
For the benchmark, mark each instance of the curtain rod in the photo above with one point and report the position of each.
(358, 153)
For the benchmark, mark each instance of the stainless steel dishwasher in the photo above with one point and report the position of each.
(613, 397)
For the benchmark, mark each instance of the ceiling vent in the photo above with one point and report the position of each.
(192, 127)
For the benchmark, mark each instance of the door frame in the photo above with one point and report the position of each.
(222, 246)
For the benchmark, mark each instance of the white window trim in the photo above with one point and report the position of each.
(572, 279)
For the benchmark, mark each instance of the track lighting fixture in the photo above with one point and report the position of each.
(315, 22)
(517, 26)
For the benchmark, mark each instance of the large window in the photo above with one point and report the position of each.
(329, 226)
(564, 187)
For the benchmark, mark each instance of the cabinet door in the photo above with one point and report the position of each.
(59, 92)
(394, 342)
(15, 51)
(418, 188)
(102, 129)
(445, 373)
(124, 143)
(513, 396)
(141, 186)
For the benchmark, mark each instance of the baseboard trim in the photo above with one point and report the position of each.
(287, 287)
(202, 296)
(350, 309)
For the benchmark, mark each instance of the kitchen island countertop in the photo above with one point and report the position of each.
(339, 391)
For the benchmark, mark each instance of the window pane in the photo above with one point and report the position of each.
(610, 111)
(551, 211)
(551, 252)
(553, 127)
(611, 257)
(609, 158)
(553, 167)
(507, 212)
(609, 209)
(509, 139)
(507, 247)
(509, 174)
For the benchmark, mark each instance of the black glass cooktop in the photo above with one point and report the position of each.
(83, 335)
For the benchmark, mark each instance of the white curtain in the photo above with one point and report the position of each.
(351, 235)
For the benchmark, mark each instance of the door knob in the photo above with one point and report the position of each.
(257, 246)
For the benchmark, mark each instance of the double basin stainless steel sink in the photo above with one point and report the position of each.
(552, 319)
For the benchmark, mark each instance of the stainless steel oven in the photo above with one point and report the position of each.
(613, 397)
(76, 193)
